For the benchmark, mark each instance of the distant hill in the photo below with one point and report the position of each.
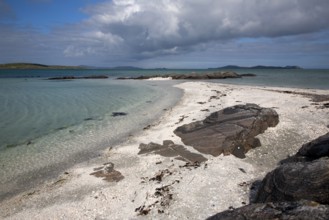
(36, 66)
(126, 68)
(257, 67)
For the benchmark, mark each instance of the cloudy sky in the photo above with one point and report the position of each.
(165, 33)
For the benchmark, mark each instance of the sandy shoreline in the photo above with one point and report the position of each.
(195, 193)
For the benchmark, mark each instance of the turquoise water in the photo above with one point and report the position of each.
(33, 108)
(299, 78)
(47, 126)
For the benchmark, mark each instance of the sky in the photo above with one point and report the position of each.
(165, 33)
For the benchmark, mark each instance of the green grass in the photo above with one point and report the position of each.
(35, 66)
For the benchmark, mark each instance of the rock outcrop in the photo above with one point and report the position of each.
(303, 210)
(79, 77)
(313, 150)
(303, 176)
(214, 75)
(296, 181)
(229, 131)
(297, 189)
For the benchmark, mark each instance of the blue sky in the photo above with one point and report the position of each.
(46, 14)
(165, 33)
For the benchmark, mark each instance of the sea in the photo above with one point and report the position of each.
(47, 126)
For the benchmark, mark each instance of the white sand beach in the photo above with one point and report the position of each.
(184, 192)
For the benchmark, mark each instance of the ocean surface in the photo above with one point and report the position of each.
(47, 126)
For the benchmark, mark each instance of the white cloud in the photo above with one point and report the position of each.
(176, 30)
(146, 26)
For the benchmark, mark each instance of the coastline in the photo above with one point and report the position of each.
(201, 191)
(47, 156)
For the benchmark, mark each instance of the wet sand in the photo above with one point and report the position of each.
(151, 186)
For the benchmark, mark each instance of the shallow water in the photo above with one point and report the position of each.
(295, 78)
(49, 125)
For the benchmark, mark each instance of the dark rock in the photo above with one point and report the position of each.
(316, 149)
(62, 78)
(115, 114)
(302, 176)
(242, 170)
(296, 181)
(297, 189)
(170, 149)
(311, 151)
(229, 131)
(248, 74)
(78, 77)
(194, 76)
(303, 210)
(95, 77)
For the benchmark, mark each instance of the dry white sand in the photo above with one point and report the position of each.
(159, 78)
(196, 193)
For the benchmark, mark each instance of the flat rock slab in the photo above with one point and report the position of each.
(170, 149)
(229, 131)
(303, 210)
(108, 173)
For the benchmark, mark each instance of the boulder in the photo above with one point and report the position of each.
(228, 131)
(296, 181)
(302, 176)
(297, 189)
(116, 114)
(315, 149)
(302, 210)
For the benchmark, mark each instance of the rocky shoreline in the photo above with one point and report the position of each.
(78, 77)
(297, 189)
(183, 178)
(193, 76)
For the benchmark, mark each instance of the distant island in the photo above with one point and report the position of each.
(257, 67)
(43, 66)
(36, 66)
(126, 68)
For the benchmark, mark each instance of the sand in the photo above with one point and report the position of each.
(184, 192)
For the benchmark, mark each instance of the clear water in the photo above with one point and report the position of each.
(47, 126)
(299, 78)
(34, 108)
